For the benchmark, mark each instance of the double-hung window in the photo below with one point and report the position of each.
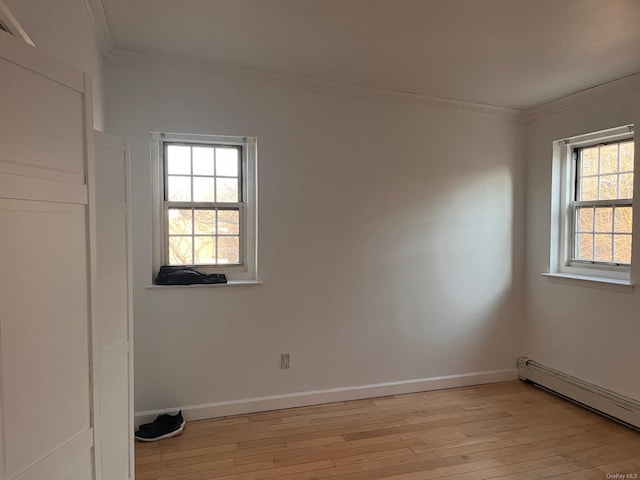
(603, 204)
(207, 186)
(593, 202)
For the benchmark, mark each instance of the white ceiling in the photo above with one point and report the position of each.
(510, 53)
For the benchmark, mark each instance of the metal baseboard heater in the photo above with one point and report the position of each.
(622, 409)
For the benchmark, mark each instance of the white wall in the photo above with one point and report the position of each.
(587, 332)
(63, 29)
(386, 232)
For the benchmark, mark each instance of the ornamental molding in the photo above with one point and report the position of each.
(132, 59)
(98, 17)
(583, 97)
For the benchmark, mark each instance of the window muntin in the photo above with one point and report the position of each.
(602, 204)
(204, 204)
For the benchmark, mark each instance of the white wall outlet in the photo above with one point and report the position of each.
(284, 360)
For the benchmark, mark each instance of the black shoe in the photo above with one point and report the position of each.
(164, 426)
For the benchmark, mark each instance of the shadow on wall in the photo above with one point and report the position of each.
(460, 264)
(477, 248)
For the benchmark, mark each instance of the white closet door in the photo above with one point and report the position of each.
(112, 324)
(46, 261)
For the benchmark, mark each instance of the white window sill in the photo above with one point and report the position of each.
(231, 283)
(589, 281)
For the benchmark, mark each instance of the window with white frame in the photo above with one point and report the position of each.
(594, 202)
(208, 202)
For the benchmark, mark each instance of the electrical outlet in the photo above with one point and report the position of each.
(284, 360)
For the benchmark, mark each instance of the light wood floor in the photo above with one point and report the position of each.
(506, 430)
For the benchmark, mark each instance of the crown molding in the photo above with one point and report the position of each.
(100, 25)
(583, 97)
(129, 58)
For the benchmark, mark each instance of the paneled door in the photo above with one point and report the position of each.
(47, 273)
(113, 355)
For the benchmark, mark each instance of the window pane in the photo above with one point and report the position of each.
(180, 221)
(585, 219)
(626, 185)
(203, 161)
(180, 250)
(626, 157)
(227, 162)
(589, 188)
(178, 160)
(604, 219)
(228, 222)
(228, 250)
(622, 246)
(609, 159)
(204, 222)
(603, 248)
(203, 189)
(605, 173)
(179, 189)
(205, 250)
(227, 190)
(608, 187)
(585, 247)
(623, 217)
(589, 161)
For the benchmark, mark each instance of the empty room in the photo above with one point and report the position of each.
(319, 239)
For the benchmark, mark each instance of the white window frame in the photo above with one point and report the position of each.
(563, 207)
(248, 268)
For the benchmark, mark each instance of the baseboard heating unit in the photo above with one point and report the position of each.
(610, 404)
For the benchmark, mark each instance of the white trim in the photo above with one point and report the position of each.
(43, 172)
(109, 141)
(124, 346)
(232, 283)
(27, 188)
(248, 271)
(315, 397)
(318, 87)
(13, 24)
(237, 140)
(98, 17)
(632, 82)
(609, 135)
(590, 281)
(563, 211)
(92, 260)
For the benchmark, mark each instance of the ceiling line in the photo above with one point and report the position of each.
(123, 57)
(98, 17)
(568, 102)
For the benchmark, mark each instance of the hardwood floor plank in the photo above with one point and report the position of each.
(587, 474)
(630, 469)
(291, 458)
(504, 431)
(216, 472)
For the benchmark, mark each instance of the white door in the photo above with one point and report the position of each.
(112, 323)
(46, 300)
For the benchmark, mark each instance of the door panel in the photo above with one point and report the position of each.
(66, 463)
(112, 280)
(112, 324)
(45, 123)
(44, 350)
(114, 407)
(46, 223)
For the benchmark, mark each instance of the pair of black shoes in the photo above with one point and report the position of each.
(164, 426)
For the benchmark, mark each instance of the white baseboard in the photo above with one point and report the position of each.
(316, 397)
